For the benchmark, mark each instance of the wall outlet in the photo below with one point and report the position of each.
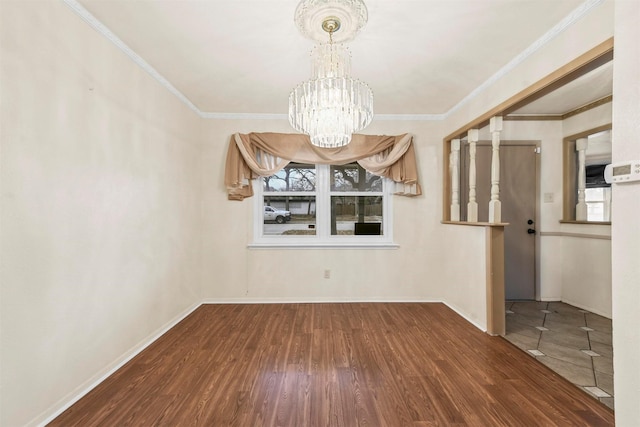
(548, 197)
(327, 274)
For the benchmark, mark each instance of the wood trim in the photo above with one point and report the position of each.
(590, 106)
(568, 179)
(588, 132)
(583, 64)
(495, 281)
(534, 118)
(476, 224)
(577, 235)
(446, 182)
(562, 221)
(569, 171)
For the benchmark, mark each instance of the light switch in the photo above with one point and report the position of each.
(548, 197)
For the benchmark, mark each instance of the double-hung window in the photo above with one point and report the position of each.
(322, 205)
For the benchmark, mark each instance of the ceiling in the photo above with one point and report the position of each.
(419, 57)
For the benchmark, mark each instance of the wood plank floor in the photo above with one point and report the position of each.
(333, 365)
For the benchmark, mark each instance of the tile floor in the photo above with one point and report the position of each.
(574, 343)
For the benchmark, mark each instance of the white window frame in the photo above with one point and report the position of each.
(590, 201)
(323, 237)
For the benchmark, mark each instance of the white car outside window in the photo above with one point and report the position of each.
(278, 215)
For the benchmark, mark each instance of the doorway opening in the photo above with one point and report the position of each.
(519, 182)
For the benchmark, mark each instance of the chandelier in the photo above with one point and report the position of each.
(331, 106)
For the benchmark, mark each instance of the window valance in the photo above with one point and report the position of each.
(253, 155)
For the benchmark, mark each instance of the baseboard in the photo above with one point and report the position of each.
(66, 402)
(339, 300)
(586, 307)
(320, 300)
(483, 328)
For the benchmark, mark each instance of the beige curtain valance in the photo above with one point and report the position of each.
(253, 155)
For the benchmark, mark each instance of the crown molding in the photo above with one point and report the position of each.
(569, 20)
(244, 116)
(106, 32)
(565, 23)
(409, 117)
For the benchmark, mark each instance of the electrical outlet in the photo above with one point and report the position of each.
(327, 274)
(548, 197)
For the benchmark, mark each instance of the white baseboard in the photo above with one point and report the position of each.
(337, 301)
(483, 328)
(586, 307)
(66, 402)
(319, 300)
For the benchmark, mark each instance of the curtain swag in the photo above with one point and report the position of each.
(255, 155)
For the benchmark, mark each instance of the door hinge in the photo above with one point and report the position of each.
(537, 150)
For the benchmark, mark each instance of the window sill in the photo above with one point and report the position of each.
(324, 245)
(571, 221)
(476, 224)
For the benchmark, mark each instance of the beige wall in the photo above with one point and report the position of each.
(232, 272)
(592, 29)
(585, 263)
(100, 187)
(115, 221)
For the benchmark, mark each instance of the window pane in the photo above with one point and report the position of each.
(594, 194)
(294, 177)
(346, 211)
(289, 215)
(598, 203)
(353, 177)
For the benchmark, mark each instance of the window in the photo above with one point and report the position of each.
(597, 194)
(322, 205)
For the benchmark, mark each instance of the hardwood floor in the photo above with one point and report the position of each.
(333, 365)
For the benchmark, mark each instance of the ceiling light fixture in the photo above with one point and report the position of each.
(331, 106)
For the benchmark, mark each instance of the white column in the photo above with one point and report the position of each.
(472, 206)
(495, 206)
(455, 179)
(581, 206)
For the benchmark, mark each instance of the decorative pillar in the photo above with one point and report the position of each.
(581, 207)
(455, 180)
(472, 206)
(495, 206)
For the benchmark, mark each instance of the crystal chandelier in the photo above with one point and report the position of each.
(331, 106)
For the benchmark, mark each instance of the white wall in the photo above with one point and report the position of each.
(100, 185)
(625, 227)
